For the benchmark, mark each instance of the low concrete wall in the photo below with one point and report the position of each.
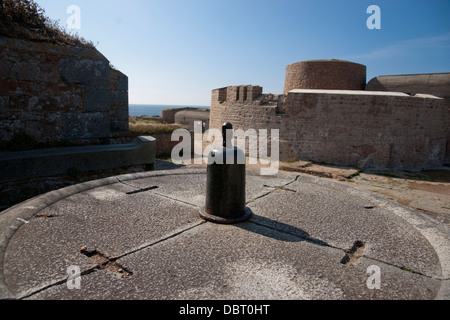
(165, 145)
(437, 84)
(188, 118)
(15, 166)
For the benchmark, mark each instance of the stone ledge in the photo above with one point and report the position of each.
(351, 92)
(15, 166)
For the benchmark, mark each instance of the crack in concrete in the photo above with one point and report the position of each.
(353, 254)
(32, 292)
(169, 236)
(275, 188)
(139, 190)
(175, 199)
(104, 262)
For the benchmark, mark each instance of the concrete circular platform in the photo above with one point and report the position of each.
(140, 236)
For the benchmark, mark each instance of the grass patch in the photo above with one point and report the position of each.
(25, 19)
(143, 122)
(152, 127)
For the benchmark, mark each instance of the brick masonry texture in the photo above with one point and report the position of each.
(55, 93)
(359, 130)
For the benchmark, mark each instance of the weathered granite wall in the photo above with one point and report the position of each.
(118, 111)
(351, 128)
(437, 84)
(325, 74)
(328, 114)
(53, 92)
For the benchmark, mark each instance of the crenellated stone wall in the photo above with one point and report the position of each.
(327, 114)
(350, 128)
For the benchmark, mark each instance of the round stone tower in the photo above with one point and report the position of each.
(325, 74)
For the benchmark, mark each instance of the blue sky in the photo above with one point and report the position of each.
(176, 51)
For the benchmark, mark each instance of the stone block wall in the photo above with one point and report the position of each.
(55, 93)
(258, 111)
(168, 115)
(187, 118)
(118, 104)
(350, 128)
(437, 84)
(325, 74)
(368, 131)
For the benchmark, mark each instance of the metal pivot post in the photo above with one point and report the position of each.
(225, 185)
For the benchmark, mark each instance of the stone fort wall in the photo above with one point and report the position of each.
(55, 93)
(325, 74)
(350, 128)
(437, 84)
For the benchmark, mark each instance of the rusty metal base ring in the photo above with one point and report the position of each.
(226, 220)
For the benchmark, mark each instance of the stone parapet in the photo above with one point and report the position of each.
(16, 166)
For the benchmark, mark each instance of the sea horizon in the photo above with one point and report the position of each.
(155, 109)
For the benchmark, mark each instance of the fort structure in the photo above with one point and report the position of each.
(328, 114)
(186, 116)
(437, 84)
(325, 74)
(58, 92)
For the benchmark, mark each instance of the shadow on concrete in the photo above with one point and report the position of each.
(278, 230)
(441, 175)
(167, 165)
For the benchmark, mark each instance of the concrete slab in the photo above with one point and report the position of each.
(106, 219)
(140, 236)
(331, 213)
(191, 187)
(246, 262)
